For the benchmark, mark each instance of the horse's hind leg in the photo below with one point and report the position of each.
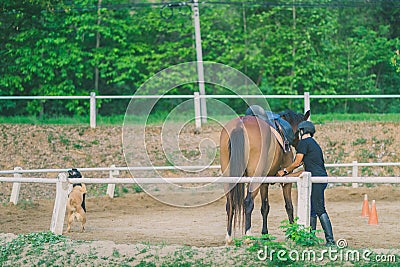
(249, 205)
(248, 209)
(264, 207)
(287, 195)
(230, 213)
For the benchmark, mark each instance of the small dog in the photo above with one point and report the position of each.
(74, 206)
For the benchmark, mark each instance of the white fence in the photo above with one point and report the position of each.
(304, 183)
(115, 171)
(196, 97)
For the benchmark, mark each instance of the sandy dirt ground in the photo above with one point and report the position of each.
(138, 218)
(132, 220)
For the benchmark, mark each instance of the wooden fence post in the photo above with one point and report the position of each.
(111, 187)
(304, 199)
(307, 106)
(92, 110)
(355, 173)
(16, 187)
(57, 220)
(197, 111)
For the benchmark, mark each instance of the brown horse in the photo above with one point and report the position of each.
(250, 148)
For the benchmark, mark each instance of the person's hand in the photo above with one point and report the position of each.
(281, 173)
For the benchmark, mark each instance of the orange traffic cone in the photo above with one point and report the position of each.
(365, 207)
(373, 217)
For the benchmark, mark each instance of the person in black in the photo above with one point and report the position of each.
(310, 153)
(74, 173)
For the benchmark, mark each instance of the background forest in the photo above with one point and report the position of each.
(111, 47)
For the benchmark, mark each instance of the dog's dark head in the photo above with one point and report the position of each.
(74, 173)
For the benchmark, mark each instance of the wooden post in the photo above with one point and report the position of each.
(92, 110)
(197, 115)
(355, 173)
(16, 187)
(111, 187)
(304, 199)
(307, 103)
(60, 205)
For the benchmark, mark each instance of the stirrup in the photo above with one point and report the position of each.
(286, 146)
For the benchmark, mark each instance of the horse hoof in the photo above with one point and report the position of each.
(228, 240)
(248, 233)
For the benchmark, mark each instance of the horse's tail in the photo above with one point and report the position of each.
(237, 168)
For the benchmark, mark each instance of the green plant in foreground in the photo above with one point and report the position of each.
(263, 246)
(300, 235)
(359, 141)
(267, 249)
(35, 240)
(116, 253)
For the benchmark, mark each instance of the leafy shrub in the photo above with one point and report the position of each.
(300, 235)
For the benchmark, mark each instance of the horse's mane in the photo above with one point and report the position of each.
(292, 117)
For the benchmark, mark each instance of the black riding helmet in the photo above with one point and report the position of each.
(306, 127)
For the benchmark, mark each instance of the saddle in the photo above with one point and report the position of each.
(281, 128)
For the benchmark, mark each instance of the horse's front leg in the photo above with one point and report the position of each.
(264, 208)
(287, 195)
(249, 205)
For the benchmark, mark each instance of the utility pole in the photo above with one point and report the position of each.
(199, 54)
(96, 68)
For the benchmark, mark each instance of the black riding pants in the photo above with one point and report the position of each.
(318, 199)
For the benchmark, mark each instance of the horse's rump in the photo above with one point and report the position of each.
(247, 148)
(247, 145)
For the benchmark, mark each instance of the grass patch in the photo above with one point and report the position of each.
(332, 117)
(36, 241)
(160, 117)
(44, 120)
(47, 249)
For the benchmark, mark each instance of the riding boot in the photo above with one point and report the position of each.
(313, 222)
(327, 226)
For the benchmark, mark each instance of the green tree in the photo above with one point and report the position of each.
(55, 47)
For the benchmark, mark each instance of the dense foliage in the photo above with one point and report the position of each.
(111, 47)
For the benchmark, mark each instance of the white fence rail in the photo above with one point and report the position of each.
(115, 171)
(304, 183)
(196, 97)
(160, 168)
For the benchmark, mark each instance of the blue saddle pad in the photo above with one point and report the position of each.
(286, 127)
